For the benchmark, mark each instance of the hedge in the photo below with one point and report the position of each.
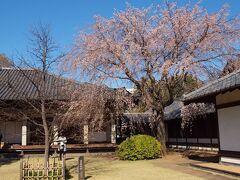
(139, 147)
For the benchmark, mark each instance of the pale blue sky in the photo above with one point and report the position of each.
(68, 17)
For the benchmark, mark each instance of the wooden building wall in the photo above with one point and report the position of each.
(203, 132)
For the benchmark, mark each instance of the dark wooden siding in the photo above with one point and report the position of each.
(202, 127)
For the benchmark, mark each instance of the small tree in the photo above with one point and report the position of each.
(148, 47)
(41, 60)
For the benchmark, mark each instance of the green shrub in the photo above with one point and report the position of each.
(139, 147)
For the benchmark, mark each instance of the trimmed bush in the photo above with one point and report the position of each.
(139, 147)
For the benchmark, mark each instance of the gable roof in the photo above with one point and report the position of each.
(19, 84)
(223, 84)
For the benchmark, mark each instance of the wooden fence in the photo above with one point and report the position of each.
(34, 169)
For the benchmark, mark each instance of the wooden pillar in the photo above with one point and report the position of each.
(24, 133)
(113, 134)
(85, 134)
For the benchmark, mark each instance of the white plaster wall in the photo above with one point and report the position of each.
(228, 97)
(215, 141)
(229, 128)
(181, 139)
(230, 160)
(192, 140)
(172, 139)
(97, 136)
(204, 140)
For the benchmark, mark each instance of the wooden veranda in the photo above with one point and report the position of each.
(71, 148)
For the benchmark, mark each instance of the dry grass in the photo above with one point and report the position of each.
(109, 168)
(10, 170)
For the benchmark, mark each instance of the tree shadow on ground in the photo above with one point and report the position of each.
(8, 158)
(202, 156)
(68, 174)
(93, 167)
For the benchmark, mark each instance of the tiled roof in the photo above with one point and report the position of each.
(145, 117)
(223, 84)
(18, 84)
(173, 111)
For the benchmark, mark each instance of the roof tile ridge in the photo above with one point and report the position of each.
(211, 83)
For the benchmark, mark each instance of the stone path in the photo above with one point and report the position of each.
(228, 169)
(178, 163)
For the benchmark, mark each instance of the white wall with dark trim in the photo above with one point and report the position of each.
(229, 128)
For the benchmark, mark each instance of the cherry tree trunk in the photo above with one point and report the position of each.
(160, 132)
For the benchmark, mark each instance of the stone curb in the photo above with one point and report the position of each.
(215, 170)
